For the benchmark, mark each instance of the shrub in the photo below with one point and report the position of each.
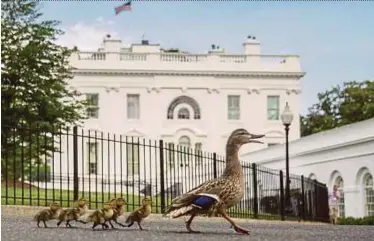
(367, 220)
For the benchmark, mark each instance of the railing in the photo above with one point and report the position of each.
(40, 166)
(186, 61)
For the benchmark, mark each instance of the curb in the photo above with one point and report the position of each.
(24, 211)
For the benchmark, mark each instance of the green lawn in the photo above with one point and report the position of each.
(43, 197)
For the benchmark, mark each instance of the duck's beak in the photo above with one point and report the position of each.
(253, 137)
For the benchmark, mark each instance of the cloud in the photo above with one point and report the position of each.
(87, 36)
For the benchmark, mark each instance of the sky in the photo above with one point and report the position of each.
(335, 40)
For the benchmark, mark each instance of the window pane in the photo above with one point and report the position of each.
(273, 102)
(92, 109)
(273, 114)
(233, 101)
(198, 153)
(183, 114)
(185, 141)
(171, 155)
(92, 99)
(133, 106)
(233, 111)
(133, 158)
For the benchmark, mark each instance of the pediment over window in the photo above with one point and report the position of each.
(189, 131)
(135, 133)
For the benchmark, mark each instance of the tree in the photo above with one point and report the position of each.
(352, 102)
(36, 100)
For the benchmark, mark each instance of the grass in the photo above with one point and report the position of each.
(43, 197)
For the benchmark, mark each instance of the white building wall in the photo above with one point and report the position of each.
(346, 152)
(159, 78)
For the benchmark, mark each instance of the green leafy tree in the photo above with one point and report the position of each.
(342, 105)
(35, 98)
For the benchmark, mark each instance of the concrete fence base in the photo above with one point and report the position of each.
(30, 211)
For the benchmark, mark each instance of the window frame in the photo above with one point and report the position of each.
(233, 112)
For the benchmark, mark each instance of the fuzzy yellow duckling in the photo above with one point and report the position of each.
(119, 209)
(140, 213)
(74, 213)
(101, 216)
(47, 214)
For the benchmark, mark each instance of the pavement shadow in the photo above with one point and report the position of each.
(200, 233)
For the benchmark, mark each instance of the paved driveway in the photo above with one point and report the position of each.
(23, 229)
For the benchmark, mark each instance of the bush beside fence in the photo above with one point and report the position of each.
(40, 166)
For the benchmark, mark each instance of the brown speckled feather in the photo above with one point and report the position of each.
(229, 187)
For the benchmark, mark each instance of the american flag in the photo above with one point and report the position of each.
(124, 7)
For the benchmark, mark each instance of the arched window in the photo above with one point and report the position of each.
(340, 184)
(184, 100)
(369, 194)
(185, 141)
(183, 113)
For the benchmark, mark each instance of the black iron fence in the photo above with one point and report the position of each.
(40, 166)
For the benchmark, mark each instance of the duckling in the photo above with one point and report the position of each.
(118, 204)
(140, 213)
(74, 213)
(47, 214)
(100, 216)
(215, 196)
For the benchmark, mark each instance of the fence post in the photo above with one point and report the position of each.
(162, 177)
(281, 201)
(315, 201)
(214, 165)
(255, 200)
(303, 197)
(75, 163)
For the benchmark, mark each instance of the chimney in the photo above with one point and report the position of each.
(251, 46)
(112, 44)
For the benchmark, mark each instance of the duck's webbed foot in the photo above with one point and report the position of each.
(236, 227)
(241, 230)
(188, 224)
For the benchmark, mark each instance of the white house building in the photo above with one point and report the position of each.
(193, 100)
(343, 156)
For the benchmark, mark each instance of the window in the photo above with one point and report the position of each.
(198, 152)
(171, 154)
(369, 194)
(185, 141)
(133, 106)
(184, 100)
(340, 184)
(233, 104)
(183, 114)
(273, 107)
(132, 158)
(92, 109)
(92, 157)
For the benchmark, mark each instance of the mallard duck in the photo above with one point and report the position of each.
(219, 194)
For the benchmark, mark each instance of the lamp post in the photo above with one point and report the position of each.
(287, 118)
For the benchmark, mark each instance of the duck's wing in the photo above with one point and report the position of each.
(201, 197)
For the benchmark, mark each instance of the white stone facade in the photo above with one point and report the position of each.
(195, 100)
(343, 156)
